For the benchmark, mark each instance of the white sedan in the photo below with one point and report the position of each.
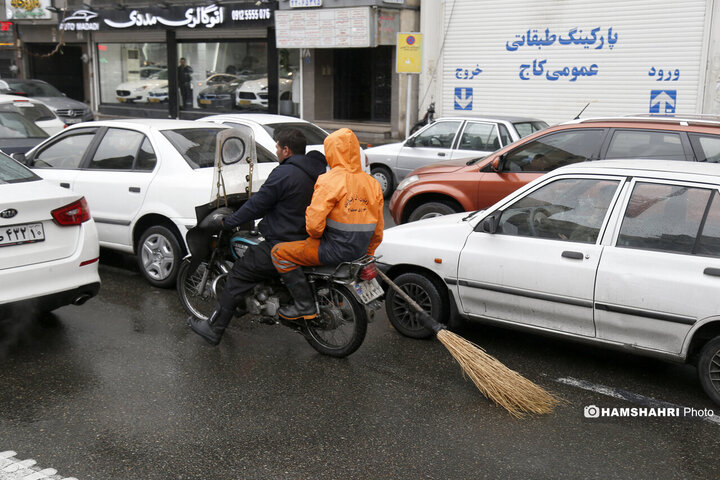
(137, 90)
(34, 111)
(142, 180)
(48, 243)
(623, 254)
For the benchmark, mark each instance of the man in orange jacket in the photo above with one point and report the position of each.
(344, 222)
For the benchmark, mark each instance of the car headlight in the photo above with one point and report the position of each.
(408, 181)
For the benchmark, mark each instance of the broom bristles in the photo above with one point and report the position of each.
(504, 386)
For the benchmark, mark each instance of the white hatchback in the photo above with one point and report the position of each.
(624, 254)
(142, 179)
(48, 243)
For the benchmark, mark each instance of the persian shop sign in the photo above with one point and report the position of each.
(208, 16)
(28, 9)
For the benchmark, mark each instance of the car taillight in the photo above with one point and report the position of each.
(73, 214)
(368, 272)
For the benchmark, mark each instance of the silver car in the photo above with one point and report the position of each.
(446, 139)
(70, 111)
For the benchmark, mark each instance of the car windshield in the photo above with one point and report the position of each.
(526, 128)
(35, 89)
(14, 125)
(196, 145)
(161, 75)
(31, 111)
(313, 134)
(12, 172)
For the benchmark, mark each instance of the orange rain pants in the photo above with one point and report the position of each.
(287, 256)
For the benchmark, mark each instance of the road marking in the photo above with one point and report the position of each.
(629, 396)
(12, 468)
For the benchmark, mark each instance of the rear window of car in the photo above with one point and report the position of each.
(196, 145)
(707, 147)
(31, 111)
(12, 172)
(14, 125)
(646, 144)
(526, 128)
(314, 135)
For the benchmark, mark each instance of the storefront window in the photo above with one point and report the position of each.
(226, 76)
(289, 84)
(133, 72)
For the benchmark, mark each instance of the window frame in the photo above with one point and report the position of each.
(93, 130)
(684, 142)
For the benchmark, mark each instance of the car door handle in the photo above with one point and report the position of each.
(573, 255)
(64, 185)
(441, 154)
(134, 189)
(715, 272)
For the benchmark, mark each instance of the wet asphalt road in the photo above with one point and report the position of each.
(121, 389)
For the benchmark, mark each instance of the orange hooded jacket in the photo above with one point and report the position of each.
(346, 212)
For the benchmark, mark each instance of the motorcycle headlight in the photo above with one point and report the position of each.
(408, 181)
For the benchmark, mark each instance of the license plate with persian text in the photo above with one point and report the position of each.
(19, 234)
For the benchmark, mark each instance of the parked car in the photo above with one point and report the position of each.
(264, 126)
(137, 90)
(143, 179)
(253, 94)
(622, 254)
(70, 111)
(460, 185)
(33, 110)
(158, 95)
(219, 92)
(18, 134)
(445, 139)
(48, 243)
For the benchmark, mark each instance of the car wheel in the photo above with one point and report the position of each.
(384, 178)
(426, 293)
(159, 255)
(709, 369)
(430, 210)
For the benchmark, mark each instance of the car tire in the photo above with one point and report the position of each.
(384, 178)
(430, 210)
(708, 368)
(159, 255)
(426, 293)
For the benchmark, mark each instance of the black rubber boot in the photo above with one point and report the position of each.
(304, 306)
(213, 328)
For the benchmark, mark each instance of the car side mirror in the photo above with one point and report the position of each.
(496, 163)
(410, 142)
(490, 223)
(20, 157)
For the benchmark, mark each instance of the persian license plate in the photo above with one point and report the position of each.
(120, 99)
(367, 291)
(243, 102)
(19, 234)
(205, 101)
(70, 121)
(153, 100)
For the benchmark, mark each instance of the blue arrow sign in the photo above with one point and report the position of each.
(663, 101)
(463, 98)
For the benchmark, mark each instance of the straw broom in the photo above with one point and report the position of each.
(504, 386)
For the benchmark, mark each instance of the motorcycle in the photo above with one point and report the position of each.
(426, 120)
(346, 295)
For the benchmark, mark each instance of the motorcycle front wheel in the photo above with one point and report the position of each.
(198, 301)
(341, 325)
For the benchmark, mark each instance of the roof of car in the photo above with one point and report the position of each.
(262, 118)
(685, 120)
(662, 168)
(494, 118)
(151, 123)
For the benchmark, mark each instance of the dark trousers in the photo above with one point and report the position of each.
(186, 94)
(249, 270)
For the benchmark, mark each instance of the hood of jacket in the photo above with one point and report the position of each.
(342, 149)
(313, 163)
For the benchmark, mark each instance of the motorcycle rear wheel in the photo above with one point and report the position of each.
(341, 325)
(200, 304)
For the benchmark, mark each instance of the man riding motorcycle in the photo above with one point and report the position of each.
(344, 221)
(281, 203)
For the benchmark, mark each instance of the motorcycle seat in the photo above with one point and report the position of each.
(339, 272)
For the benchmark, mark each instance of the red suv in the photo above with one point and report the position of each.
(467, 185)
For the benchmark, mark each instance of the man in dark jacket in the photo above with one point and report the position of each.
(281, 203)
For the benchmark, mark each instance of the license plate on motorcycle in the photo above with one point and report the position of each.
(367, 291)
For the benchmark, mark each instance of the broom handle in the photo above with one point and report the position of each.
(426, 319)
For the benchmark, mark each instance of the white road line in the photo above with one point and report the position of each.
(12, 468)
(629, 397)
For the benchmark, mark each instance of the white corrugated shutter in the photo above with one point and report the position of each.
(614, 50)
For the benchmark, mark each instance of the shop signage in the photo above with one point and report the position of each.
(204, 16)
(28, 9)
(305, 3)
(323, 28)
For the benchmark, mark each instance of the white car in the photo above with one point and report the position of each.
(33, 110)
(622, 254)
(264, 126)
(48, 243)
(253, 94)
(137, 90)
(448, 138)
(142, 179)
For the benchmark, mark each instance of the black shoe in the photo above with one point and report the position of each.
(213, 328)
(304, 306)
